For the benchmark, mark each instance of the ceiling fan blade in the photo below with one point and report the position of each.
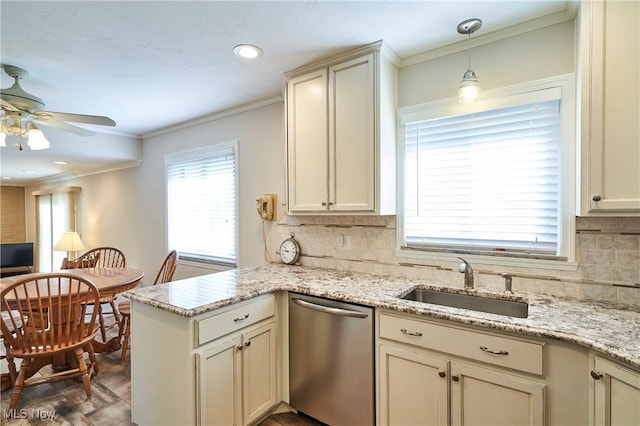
(7, 106)
(77, 118)
(50, 122)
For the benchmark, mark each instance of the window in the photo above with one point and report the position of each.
(56, 213)
(201, 204)
(492, 178)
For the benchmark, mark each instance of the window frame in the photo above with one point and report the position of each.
(195, 154)
(567, 187)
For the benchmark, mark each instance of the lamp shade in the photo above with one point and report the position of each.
(70, 241)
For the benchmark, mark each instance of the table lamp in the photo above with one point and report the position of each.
(69, 242)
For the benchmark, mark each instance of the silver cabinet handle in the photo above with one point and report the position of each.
(411, 333)
(596, 375)
(330, 309)
(489, 351)
(241, 318)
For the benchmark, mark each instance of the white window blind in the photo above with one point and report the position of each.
(201, 200)
(485, 182)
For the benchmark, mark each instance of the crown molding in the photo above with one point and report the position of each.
(492, 37)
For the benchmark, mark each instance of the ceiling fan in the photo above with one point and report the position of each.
(24, 112)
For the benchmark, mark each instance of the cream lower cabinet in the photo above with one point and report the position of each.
(217, 368)
(417, 388)
(616, 394)
(237, 377)
(480, 396)
(414, 387)
(438, 373)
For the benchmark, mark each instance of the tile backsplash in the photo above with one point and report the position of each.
(607, 255)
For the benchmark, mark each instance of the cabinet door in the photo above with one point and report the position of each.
(259, 371)
(414, 387)
(351, 135)
(307, 142)
(484, 397)
(617, 395)
(611, 106)
(219, 383)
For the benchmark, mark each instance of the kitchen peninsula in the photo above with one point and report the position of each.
(181, 326)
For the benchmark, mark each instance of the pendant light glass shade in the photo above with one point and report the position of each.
(469, 89)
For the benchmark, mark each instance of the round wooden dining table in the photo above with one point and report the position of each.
(108, 281)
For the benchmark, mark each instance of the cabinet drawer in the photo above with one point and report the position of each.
(211, 328)
(507, 352)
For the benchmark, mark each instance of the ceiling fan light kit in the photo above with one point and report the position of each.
(22, 110)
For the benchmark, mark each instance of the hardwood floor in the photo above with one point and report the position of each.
(65, 402)
(288, 419)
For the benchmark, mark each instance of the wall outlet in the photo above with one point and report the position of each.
(343, 241)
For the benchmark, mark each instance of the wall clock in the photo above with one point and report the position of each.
(289, 250)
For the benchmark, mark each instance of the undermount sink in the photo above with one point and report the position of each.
(507, 307)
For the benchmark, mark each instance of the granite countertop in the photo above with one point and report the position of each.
(607, 328)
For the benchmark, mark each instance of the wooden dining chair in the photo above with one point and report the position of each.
(101, 257)
(47, 320)
(165, 275)
(9, 378)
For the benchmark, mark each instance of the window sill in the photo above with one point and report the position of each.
(214, 267)
(557, 265)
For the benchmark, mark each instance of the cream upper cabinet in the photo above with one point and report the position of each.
(609, 55)
(616, 394)
(341, 134)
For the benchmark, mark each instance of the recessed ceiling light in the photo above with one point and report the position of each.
(6, 177)
(247, 51)
(60, 162)
(28, 171)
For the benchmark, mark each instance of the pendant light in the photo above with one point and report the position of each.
(469, 89)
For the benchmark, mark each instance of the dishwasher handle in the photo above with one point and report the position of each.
(329, 309)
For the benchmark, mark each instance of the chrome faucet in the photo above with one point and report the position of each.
(507, 283)
(468, 274)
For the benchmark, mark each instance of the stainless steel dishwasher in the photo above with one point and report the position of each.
(331, 368)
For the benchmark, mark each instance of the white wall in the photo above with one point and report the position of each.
(261, 169)
(126, 208)
(530, 56)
